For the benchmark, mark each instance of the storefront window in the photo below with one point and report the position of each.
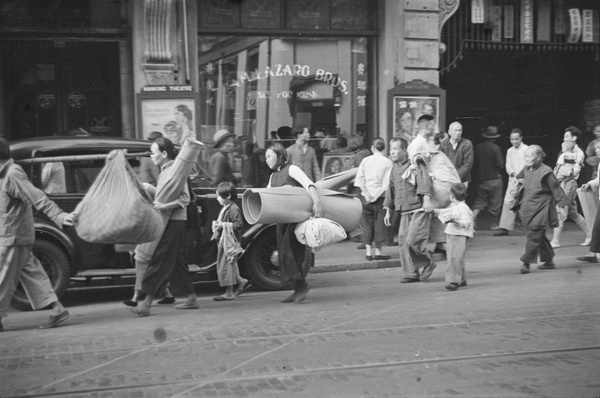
(268, 88)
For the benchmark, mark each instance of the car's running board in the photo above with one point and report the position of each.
(107, 272)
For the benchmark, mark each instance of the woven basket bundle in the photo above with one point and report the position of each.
(292, 205)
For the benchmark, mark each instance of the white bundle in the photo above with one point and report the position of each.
(319, 232)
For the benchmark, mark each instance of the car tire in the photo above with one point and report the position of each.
(55, 263)
(259, 264)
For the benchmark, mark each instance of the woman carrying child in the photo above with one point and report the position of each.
(228, 230)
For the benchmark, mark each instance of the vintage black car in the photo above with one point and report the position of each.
(67, 258)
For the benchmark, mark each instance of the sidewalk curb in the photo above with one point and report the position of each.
(365, 265)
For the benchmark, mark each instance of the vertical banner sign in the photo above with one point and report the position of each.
(575, 19)
(496, 23)
(360, 73)
(509, 22)
(560, 18)
(477, 11)
(487, 17)
(588, 26)
(526, 21)
(543, 18)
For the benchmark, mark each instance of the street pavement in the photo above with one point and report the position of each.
(359, 334)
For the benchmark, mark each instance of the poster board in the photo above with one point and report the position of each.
(407, 102)
(336, 162)
(168, 113)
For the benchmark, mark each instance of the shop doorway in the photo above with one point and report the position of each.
(61, 88)
(541, 92)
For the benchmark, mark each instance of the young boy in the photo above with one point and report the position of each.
(459, 230)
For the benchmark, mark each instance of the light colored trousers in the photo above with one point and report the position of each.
(17, 263)
(413, 236)
(508, 217)
(456, 247)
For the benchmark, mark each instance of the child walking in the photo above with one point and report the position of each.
(459, 230)
(228, 230)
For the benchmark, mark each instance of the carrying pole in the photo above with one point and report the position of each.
(74, 158)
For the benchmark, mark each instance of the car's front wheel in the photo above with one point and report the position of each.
(56, 265)
(262, 264)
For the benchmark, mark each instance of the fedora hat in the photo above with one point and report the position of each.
(487, 134)
(220, 136)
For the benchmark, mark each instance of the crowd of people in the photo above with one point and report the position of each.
(397, 193)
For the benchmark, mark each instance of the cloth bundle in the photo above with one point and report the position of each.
(169, 189)
(319, 232)
(292, 205)
(443, 175)
(116, 208)
(589, 205)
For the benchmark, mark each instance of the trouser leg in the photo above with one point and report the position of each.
(455, 251)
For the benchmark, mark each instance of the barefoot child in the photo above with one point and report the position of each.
(228, 230)
(459, 230)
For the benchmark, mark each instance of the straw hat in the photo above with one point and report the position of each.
(220, 136)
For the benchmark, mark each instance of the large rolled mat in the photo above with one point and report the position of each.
(170, 186)
(293, 205)
(589, 205)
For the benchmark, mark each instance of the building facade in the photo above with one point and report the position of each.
(266, 68)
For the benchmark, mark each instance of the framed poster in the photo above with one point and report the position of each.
(174, 115)
(409, 101)
(335, 162)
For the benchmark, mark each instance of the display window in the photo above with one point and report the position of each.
(266, 89)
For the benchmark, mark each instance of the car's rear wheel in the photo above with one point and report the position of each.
(261, 261)
(55, 263)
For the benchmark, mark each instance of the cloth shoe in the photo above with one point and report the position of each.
(54, 320)
(589, 259)
(452, 286)
(547, 265)
(501, 232)
(409, 280)
(166, 300)
(301, 292)
(382, 257)
(290, 298)
(462, 284)
(525, 268)
(190, 304)
(130, 303)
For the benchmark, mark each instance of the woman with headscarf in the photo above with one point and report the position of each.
(292, 254)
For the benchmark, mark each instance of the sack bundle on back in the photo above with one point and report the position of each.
(116, 208)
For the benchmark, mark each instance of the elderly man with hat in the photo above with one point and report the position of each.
(219, 166)
(488, 165)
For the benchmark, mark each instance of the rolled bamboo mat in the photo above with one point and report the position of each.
(292, 205)
(589, 205)
(169, 188)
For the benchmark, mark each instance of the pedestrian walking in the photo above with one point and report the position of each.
(458, 218)
(227, 229)
(567, 169)
(219, 165)
(168, 264)
(292, 254)
(413, 202)
(17, 235)
(373, 179)
(541, 193)
(594, 253)
(515, 161)
(488, 164)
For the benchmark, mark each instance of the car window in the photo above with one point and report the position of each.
(80, 175)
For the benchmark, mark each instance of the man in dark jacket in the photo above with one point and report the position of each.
(488, 165)
(413, 202)
(460, 152)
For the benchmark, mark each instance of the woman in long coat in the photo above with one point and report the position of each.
(541, 194)
(292, 254)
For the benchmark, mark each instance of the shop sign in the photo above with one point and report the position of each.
(76, 99)
(280, 70)
(509, 22)
(588, 26)
(496, 23)
(575, 18)
(527, 21)
(477, 11)
(46, 99)
(543, 28)
(560, 20)
(167, 89)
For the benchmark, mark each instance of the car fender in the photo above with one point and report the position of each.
(254, 232)
(48, 231)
